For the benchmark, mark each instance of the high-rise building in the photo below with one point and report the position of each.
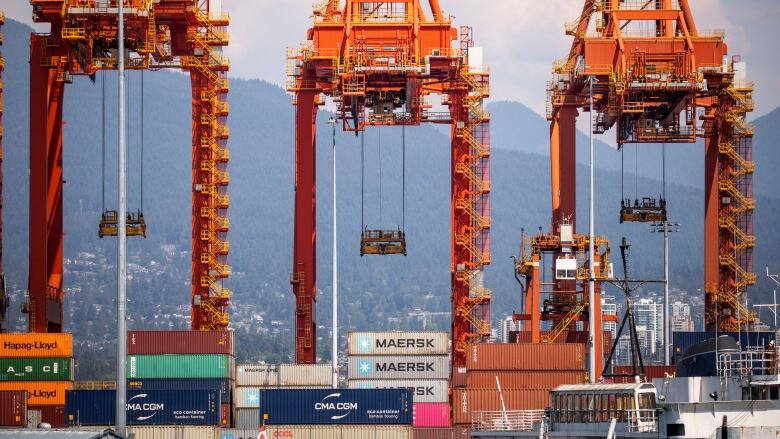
(682, 321)
(506, 325)
(650, 314)
(609, 308)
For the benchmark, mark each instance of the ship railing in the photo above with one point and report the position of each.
(642, 421)
(753, 361)
(511, 420)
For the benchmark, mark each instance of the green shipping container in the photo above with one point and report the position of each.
(36, 369)
(179, 366)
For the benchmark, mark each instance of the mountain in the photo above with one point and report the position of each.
(376, 292)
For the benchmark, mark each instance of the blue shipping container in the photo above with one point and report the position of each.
(223, 386)
(336, 406)
(144, 407)
(682, 341)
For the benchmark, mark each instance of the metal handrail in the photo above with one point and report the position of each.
(642, 421)
(512, 420)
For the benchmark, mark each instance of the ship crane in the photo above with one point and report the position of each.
(380, 62)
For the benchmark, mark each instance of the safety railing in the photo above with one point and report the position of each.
(753, 361)
(642, 421)
(512, 420)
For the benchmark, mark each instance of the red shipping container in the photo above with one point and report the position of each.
(442, 433)
(565, 337)
(431, 414)
(13, 409)
(525, 356)
(224, 416)
(53, 415)
(518, 379)
(651, 372)
(467, 401)
(459, 377)
(179, 342)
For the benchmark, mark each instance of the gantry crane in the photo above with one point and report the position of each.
(3, 294)
(179, 34)
(380, 61)
(659, 79)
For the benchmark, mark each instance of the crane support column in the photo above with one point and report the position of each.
(711, 213)
(563, 131)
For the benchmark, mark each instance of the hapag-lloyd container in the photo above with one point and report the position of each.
(466, 401)
(53, 415)
(399, 367)
(40, 392)
(13, 409)
(422, 390)
(317, 432)
(179, 366)
(179, 342)
(336, 406)
(223, 386)
(525, 356)
(36, 369)
(519, 379)
(305, 375)
(36, 344)
(398, 343)
(261, 375)
(431, 414)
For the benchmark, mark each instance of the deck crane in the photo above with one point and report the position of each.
(380, 61)
(3, 293)
(178, 34)
(663, 80)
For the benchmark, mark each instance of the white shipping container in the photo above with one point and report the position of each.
(305, 375)
(247, 397)
(398, 343)
(257, 375)
(170, 432)
(323, 432)
(247, 419)
(399, 367)
(422, 390)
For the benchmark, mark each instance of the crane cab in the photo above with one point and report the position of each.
(382, 242)
(565, 268)
(645, 211)
(134, 222)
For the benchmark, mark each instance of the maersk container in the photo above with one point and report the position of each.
(248, 397)
(682, 341)
(179, 366)
(261, 375)
(144, 407)
(36, 369)
(422, 390)
(223, 386)
(36, 344)
(336, 406)
(398, 343)
(13, 409)
(179, 342)
(320, 432)
(305, 375)
(399, 367)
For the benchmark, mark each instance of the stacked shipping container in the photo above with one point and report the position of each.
(40, 364)
(418, 361)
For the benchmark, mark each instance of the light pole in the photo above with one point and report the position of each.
(666, 227)
(121, 302)
(591, 250)
(334, 348)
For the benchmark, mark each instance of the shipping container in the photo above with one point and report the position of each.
(399, 367)
(651, 372)
(431, 414)
(223, 386)
(398, 343)
(459, 377)
(519, 379)
(336, 406)
(682, 341)
(36, 369)
(247, 418)
(144, 407)
(36, 344)
(179, 366)
(180, 342)
(441, 433)
(525, 356)
(422, 390)
(248, 397)
(261, 375)
(466, 401)
(224, 415)
(320, 432)
(564, 337)
(13, 409)
(53, 415)
(175, 432)
(305, 375)
(40, 392)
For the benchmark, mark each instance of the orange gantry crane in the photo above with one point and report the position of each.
(659, 79)
(179, 34)
(380, 62)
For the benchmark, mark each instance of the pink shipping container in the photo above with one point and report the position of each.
(525, 356)
(179, 342)
(441, 433)
(431, 414)
(467, 401)
(13, 408)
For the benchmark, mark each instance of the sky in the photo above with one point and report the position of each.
(521, 38)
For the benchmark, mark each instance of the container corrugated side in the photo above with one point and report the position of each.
(564, 337)
(53, 415)
(145, 407)
(398, 343)
(36, 344)
(422, 390)
(40, 392)
(247, 418)
(525, 356)
(36, 369)
(305, 375)
(399, 367)
(257, 375)
(519, 379)
(177, 432)
(249, 396)
(320, 432)
(222, 385)
(431, 414)
(179, 366)
(459, 377)
(466, 401)
(441, 433)
(179, 342)
(13, 409)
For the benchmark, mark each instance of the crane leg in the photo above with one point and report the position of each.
(711, 231)
(563, 163)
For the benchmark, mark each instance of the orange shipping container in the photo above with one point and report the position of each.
(525, 356)
(36, 344)
(40, 392)
(467, 401)
(651, 372)
(564, 337)
(519, 379)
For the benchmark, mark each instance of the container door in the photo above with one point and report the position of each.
(34, 417)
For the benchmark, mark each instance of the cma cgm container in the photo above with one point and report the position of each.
(398, 343)
(431, 414)
(519, 379)
(261, 375)
(179, 342)
(336, 406)
(319, 432)
(223, 386)
(37, 344)
(467, 401)
(525, 356)
(422, 390)
(179, 366)
(36, 369)
(145, 407)
(13, 409)
(305, 375)
(399, 367)
(40, 392)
